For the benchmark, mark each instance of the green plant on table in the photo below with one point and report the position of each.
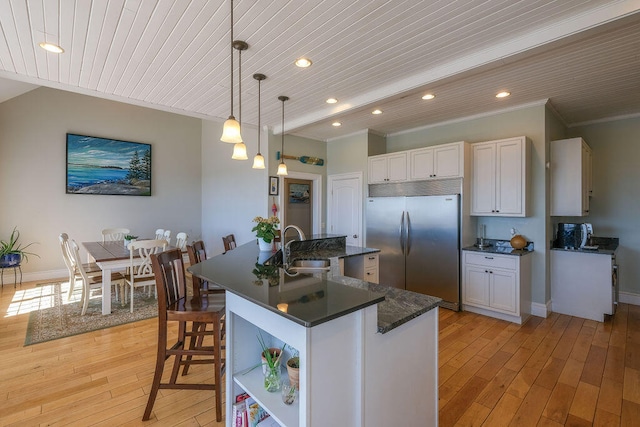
(12, 247)
(130, 237)
(266, 228)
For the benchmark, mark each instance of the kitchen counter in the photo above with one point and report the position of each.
(502, 247)
(605, 246)
(311, 298)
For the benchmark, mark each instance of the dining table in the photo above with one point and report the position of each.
(109, 256)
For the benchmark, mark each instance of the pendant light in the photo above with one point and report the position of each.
(258, 160)
(282, 167)
(240, 149)
(231, 128)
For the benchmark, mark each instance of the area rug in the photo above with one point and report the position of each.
(53, 316)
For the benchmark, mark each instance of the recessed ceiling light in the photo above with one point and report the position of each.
(303, 62)
(428, 96)
(503, 94)
(376, 111)
(336, 124)
(331, 101)
(50, 47)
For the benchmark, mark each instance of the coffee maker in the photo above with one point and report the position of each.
(573, 235)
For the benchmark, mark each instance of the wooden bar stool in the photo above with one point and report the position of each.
(174, 305)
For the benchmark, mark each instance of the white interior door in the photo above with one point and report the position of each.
(345, 207)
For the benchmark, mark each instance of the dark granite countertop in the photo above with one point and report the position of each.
(311, 299)
(601, 245)
(502, 247)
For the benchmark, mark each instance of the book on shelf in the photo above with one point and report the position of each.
(255, 413)
(239, 415)
(268, 422)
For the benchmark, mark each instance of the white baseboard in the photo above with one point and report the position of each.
(541, 310)
(36, 276)
(629, 298)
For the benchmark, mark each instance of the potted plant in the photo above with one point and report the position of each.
(270, 365)
(293, 368)
(265, 231)
(12, 253)
(128, 239)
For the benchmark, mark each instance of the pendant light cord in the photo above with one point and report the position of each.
(259, 129)
(240, 87)
(231, 44)
(282, 148)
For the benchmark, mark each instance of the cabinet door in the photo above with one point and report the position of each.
(483, 180)
(421, 164)
(509, 177)
(446, 162)
(397, 167)
(502, 290)
(377, 169)
(586, 178)
(476, 286)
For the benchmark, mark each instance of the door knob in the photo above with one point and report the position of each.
(355, 236)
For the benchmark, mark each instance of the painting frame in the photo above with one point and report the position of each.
(274, 185)
(107, 166)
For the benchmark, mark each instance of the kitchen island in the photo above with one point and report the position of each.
(368, 353)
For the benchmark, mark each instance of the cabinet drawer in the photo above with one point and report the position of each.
(370, 261)
(491, 260)
(371, 275)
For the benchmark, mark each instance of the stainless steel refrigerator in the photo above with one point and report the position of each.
(419, 242)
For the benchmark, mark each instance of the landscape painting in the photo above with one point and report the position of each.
(107, 166)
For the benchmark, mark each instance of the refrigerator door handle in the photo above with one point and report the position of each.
(402, 233)
(408, 234)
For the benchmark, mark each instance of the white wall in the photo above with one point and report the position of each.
(33, 131)
(232, 192)
(615, 205)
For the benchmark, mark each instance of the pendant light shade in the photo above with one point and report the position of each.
(282, 167)
(231, 128)
(258, 160)
(239, 151)
(231, 131)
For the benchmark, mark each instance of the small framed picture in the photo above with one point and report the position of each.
(273, 185)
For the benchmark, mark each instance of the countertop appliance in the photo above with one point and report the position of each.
(419, 242)
(574, 235)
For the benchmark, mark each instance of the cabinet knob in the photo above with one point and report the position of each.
(488, 257)
(355, 236)
(486, 271)
(372, 257)
(493, 210)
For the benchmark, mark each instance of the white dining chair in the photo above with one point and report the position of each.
(159, 234)
(91, 269)
(181, 241)
(167, 236)
(140, 269)
(91, 282)
(114, 234)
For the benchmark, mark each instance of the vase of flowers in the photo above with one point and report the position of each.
(266, 231)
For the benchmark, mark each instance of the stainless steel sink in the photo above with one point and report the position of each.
(309, 265)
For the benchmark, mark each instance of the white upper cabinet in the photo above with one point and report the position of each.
(388, 168)
(440, 161)
(500, 177)
(570, 177)
(436, 162)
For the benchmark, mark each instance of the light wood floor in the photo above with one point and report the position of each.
(549, 372)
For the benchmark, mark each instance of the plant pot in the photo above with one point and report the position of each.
(264, 246)
(126, 242)
(10, 260)
(294, 373)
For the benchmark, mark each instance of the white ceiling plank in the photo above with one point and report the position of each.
(23, 32)
(9, 40)
(66, 25)
(38, 34)
(114, 12)
(125, 63)
(94, 32)
(80, 29)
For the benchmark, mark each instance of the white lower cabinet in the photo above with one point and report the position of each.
(363, 267)
(497, 285)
